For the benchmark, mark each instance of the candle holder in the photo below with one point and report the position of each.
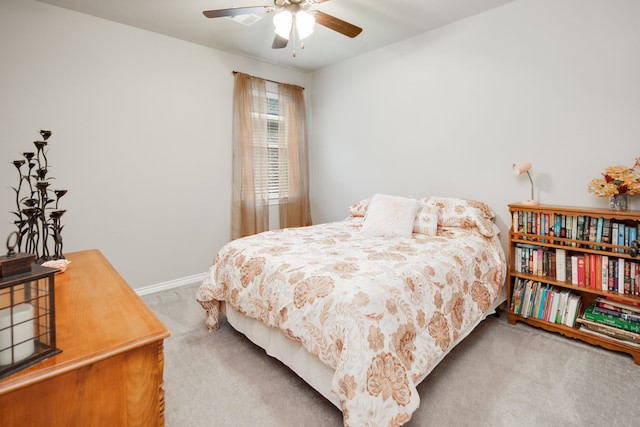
(38, 217)
(27, 312)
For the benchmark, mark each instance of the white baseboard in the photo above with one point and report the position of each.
(190, 280)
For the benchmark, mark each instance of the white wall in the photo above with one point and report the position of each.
(554, 82)
(141, 135)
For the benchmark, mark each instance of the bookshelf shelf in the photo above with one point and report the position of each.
(553, 253)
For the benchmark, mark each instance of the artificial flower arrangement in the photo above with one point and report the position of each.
(617, 180)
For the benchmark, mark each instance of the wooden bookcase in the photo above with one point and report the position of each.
(535, 227)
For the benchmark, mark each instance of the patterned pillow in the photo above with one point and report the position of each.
(453, 212)
(390, 216)
(426, 221)
(359, 208)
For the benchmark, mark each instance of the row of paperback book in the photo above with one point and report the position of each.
(602, 272)
(576, 227)
(545, 302)
(614, 319)
(535, 260)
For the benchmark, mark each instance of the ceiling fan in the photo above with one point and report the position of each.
(294, 18)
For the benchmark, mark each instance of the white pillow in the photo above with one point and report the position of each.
(390, 216)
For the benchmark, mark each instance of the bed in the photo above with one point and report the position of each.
(363, 309)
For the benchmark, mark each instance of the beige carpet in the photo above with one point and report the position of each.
(501, 375)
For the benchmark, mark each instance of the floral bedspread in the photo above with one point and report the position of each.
(378, 310)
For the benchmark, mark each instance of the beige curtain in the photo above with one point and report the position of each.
(294, 164)
(250, 198)
(250, 192)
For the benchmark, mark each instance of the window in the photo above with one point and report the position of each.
(277, 179)
(270, 166)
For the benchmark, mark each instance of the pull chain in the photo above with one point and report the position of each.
(294, 33)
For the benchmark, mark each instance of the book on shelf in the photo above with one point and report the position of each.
(556, 300)
(613, 274)
(633, 235)
(625, 306)
(585, 232)
(574, 269)
(539, 289)
(606, 230)
(580, 228)
(557, 225)
(593, 229)
(597, 282)
(574, 229)
(525, 295)
(599, 230)
(621, 234)
(540, 224)
(606, 309)
(612, 330)
(568, 226)
(561, 266)
(563, 297)
(608, 332)
(534, 288)
(571, 312)
(581, 269)
(620, 277)
(532, 219)
(607, 319)
(517, 295)
(604, 280)
(526, 298)
(548, 302)
(547, 298)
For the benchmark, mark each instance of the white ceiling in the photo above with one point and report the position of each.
(383, 22)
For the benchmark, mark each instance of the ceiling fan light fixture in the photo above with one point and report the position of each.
(304, 24)
(283, 22)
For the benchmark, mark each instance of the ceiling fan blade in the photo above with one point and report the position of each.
(219, 13)
(279, 42)
(336, 24)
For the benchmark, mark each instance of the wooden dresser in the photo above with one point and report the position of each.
(110, 370)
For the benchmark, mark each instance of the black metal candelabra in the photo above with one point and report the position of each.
(38, 213)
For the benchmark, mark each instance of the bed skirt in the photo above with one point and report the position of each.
(297, 358)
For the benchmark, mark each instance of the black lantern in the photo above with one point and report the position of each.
(27, 312)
